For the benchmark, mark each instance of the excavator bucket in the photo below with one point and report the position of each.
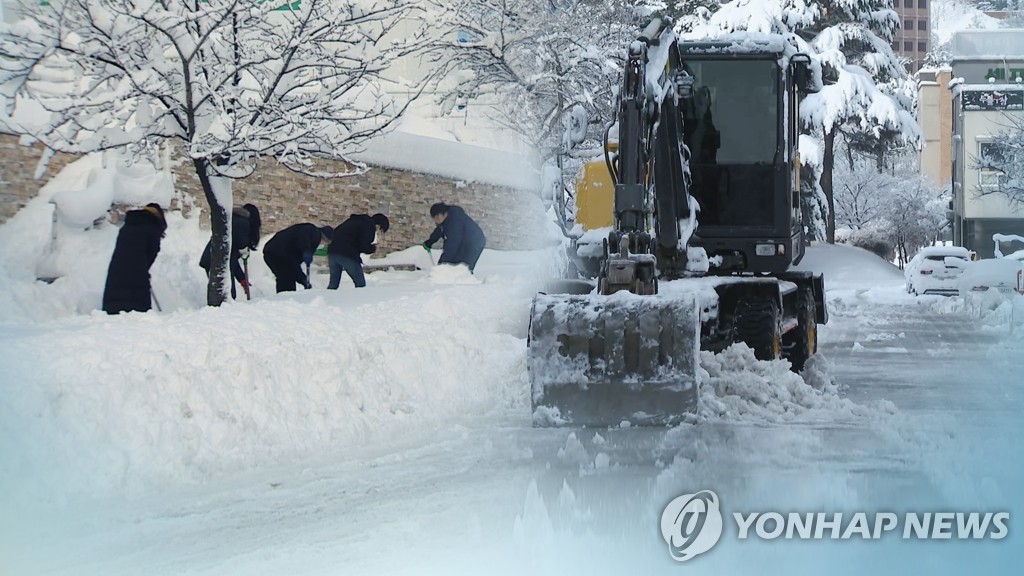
(602, 361)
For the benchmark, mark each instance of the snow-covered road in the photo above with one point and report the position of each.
(492, 495)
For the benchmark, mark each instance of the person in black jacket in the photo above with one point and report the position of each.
(245, 235)
(353, 237)
(286, 251)
(138, 243)
(464, 241)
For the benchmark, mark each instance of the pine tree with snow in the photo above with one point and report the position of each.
(863, 78)
(232, 83)
(851, 39)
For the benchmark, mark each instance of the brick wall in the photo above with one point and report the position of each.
(511, 218)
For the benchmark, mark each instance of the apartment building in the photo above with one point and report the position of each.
(912, 38)
(988, 89)
(935, 114)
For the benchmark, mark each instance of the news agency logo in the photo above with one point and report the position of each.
(691, 524)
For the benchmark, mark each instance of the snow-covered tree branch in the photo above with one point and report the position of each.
(1002, 162)
(232, 81)
(536, 62)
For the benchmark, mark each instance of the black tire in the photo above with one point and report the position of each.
(759, 326)
(803, 342)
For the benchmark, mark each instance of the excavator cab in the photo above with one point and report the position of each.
(741, 128)
(704, 182)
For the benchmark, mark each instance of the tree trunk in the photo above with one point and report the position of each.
(217, 288)
(827, 162)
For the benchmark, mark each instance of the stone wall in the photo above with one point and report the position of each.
(511, 218)
(18, 165)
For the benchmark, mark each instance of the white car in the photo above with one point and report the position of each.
(1003, 275)
(936, 269)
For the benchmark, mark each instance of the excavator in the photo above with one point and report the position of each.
(694, 226)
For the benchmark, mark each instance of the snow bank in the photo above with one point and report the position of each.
(849, 267)
(131, 401)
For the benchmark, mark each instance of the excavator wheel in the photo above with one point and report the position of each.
(602, 361)
(759, 325)
(803, 342)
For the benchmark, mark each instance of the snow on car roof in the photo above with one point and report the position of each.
(945, 251)
(990, 271)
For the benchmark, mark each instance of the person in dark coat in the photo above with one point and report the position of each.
(287, 250)
(138, 243)
(464, 241)
(353, 237)
(245, 235)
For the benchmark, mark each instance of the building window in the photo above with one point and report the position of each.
(921, 4)
(908, 24)
(990, 155)
(908, 46)
(991, 179)
(922, 47)
(922, 24)
(991, 152)
(896, 46)
(908, 3)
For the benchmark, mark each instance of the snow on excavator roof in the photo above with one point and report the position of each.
(737, 43)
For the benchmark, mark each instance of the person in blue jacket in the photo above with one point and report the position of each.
(287, 250)
(138, 243)
(353, 237)
(464, 241)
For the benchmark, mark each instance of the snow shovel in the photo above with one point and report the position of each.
(155, 301)
(245, 271)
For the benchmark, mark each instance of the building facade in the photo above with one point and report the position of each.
(935, 114)
(912, 38)
(988, 73)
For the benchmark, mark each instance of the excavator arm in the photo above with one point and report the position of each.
(626, 353)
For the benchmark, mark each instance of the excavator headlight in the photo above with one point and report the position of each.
(764, 249)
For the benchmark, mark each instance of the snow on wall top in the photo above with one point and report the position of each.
(1004, 43)
(450, 159)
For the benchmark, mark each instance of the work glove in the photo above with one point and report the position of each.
(425, 247)
(244, 283)
(308, 285)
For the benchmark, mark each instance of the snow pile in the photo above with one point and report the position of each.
(452, 274)
(738, 387)
(992, 310)
(415, 255)
(104, 402)
(107, 178)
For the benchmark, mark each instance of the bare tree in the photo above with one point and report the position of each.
(538, 61)
(1002, 162)
(233, 82)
